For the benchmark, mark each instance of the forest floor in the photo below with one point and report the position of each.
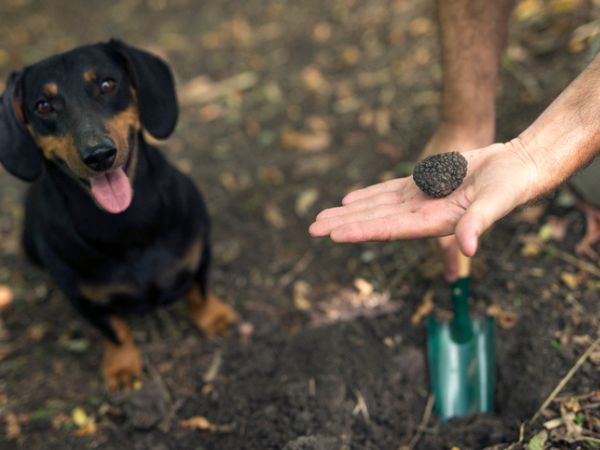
(285, 106)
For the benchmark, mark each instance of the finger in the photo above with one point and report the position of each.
(329, 223)
(386, 186)
(480, 215)
(408, 225)
(396, 197)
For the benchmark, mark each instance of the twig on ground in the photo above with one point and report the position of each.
(421, 428)
(361, 406)
(298, 268)
(213, 369)
(566, 379)
(572, 259)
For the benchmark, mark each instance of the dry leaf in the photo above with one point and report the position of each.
(313, 80)
(382, 121)
(308, 142)
(88, 429)
(6, 297)
(79, 416)
(306, 199)
(424, 308)
(351, 55)
(391, 152)
(571, 280)
(228, 181)
(420, 26)
(564, 6)
(321, 32)
(185, 165)
(301, 291)
(531, 214)
(318, 123)
(273, 216)
(202, 90)
(363, 287)
(86, 425)
(532, 245)
(13, 427)
(210, 112)
(198, 423)
(528, 9)
(506, 319)
(583, 35)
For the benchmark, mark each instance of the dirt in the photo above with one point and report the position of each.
(312, 99)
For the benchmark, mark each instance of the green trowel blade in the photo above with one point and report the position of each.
(461, 357)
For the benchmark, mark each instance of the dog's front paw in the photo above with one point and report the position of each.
(212, 316)
(121, 366)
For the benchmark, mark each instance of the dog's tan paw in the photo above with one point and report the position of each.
(212, 316)
(121, 366)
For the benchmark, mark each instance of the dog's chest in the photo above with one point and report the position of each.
(147, 278)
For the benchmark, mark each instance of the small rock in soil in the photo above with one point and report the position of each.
(145, 407)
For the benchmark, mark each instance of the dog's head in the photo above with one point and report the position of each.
(83, 110)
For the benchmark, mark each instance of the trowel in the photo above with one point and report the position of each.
(461, 356)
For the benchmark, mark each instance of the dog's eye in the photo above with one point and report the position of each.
(107, 86)
(43, 107)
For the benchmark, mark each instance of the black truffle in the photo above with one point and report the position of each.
(439, 175)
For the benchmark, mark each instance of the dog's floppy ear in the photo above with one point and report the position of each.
(18, 152)
(155, 87)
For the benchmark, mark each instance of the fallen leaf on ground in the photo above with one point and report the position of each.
(321, 32)
(391, 152)
(424, 308)
(306, 199)
(351, 55)
(198, 423)
(363, 287)
(564, 6)
(531, 214)
(538, 442)
(79, 416)
(532, 245)
(301, 291)
(571, 280)
(306, 142)
(420, 26)
(528, 9)
(202, 90)
(274, 217)
(313, 80)
(88, 429)
(6, 297)
(13, 427)
(506, 319)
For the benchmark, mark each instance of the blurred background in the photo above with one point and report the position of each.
(286, 106)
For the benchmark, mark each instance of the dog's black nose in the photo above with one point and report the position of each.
(100, 157)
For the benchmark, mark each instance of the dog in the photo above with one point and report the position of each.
(119, 229)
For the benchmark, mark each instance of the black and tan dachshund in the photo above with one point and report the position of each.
(120, 230)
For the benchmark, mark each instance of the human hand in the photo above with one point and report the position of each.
(499, 178)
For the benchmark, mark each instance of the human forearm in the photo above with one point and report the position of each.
(567, 134)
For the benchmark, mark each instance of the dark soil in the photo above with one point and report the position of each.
(307, 101)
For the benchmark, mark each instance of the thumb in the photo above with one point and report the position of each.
(477, 219)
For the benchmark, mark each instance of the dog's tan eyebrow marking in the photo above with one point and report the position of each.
(50, 89)
(89, 75)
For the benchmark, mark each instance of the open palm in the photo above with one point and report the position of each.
(498, 180)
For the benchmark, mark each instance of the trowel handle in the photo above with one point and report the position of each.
(464, 265)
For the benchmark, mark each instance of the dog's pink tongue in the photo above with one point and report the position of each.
(112, 191)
